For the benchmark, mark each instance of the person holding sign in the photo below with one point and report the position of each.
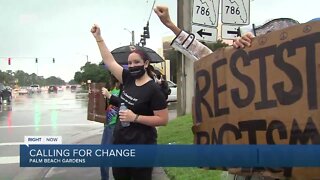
(112, 111)
(187, 44)
(146, 106)
(281, 69)
(192, 48)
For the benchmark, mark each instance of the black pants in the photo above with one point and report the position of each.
(124, 173)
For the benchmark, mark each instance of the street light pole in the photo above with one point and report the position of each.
(132, 35)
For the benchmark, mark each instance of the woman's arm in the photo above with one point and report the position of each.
(184, 42)
(160, 117)
(113, 100)
(107, 57)
(163, 14)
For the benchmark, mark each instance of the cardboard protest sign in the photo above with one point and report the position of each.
(265, 94)
(97, 103)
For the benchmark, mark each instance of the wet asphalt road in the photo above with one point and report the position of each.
(62, 114)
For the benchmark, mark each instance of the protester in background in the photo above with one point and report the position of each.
(187, 44)
(147, 107)
(112, 110)
(161, 81)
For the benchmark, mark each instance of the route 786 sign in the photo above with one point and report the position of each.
(235, 12)
(205, 12)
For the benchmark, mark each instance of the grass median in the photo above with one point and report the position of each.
(179, 131)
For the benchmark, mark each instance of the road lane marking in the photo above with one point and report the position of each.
(49, 125)
(9, 159)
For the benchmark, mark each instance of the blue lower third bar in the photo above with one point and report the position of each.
(170, 155)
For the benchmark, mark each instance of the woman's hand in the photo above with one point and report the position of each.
(127, 115)
(163, 14)
(96, 32)
(243, 41)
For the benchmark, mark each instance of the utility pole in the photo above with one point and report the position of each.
(185, 66)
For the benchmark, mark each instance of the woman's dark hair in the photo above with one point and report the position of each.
(154, 72)
(144, 57)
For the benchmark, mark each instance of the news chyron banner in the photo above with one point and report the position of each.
(264, 94)
(77, 155)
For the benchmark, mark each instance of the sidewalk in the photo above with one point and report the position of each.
(77, 173)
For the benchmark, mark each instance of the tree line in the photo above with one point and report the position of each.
(22, 78)
(90, 71)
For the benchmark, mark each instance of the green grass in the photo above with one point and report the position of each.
(179, 131)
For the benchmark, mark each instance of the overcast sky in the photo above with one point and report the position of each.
(60, 29)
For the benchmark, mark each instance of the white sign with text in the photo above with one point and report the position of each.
(205, 12)
(235, 12)
(42, 140)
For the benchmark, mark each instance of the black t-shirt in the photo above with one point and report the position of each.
(142, 100)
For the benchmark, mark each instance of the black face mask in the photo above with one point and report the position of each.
(137, 71)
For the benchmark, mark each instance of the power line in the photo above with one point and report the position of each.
(154, 2)
(146, 33)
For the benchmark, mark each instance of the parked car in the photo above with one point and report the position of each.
(35, 88)
(52, 89)
(5, 93)
(173, 95)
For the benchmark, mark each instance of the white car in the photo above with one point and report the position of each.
(35, 88)
(173, 95)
